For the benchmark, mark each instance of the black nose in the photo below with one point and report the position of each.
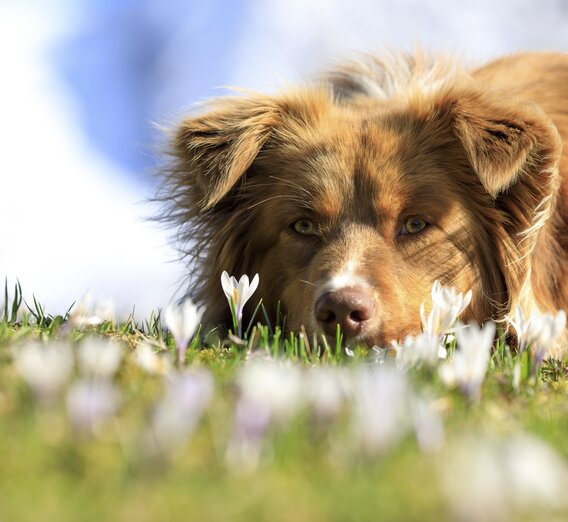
(348, 307)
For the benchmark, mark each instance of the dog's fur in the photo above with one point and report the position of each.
(477, 154)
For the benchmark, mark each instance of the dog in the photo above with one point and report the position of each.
(352, 194)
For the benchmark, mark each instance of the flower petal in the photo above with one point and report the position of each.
(226, 284)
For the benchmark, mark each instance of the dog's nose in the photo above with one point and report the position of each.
(348, 307)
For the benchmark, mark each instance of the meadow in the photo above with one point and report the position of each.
(106, 419)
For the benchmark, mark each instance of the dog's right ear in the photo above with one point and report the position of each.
(216, 149)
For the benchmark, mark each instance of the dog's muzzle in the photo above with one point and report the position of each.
(351, 308)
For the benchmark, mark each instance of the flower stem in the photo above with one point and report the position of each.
(236, 322)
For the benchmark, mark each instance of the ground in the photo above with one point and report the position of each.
(109, 426)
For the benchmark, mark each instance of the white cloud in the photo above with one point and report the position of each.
(71, 221)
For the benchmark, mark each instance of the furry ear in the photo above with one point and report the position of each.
(514, 150)
(216, 149)
(506, 142)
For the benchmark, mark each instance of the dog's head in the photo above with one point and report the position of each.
(350, 209)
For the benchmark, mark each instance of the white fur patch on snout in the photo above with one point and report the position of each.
(345, 278)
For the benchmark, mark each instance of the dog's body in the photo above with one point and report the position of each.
(351, 196)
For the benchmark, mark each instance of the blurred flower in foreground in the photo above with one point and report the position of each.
(151, 362)
(424, 349)
(90, 402)
(542, 330)
(380, 403)
(270, 392)
(182, 321)
(177, 414)
(428, 425)
(86, 314)
(447, 306)
(276, 384)
(45, 368)
(380, 355)
(326, 391)
(523, 327)
(539, 331)
(549, 328)
(238, 293)
(99, 357)
(504, 479)
(468, 365)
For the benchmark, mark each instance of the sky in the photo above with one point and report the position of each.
(87, 86)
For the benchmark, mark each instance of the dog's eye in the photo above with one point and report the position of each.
(304, 227)
(413, 225)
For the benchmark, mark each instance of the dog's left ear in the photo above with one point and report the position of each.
(216, 149)
(514, 150)
(507, 143)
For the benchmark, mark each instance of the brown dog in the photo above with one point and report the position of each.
(352, 195)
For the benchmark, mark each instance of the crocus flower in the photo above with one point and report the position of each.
(147, 358)
(182, 321)
(381, 399)
(250, 423)
(523, 327)
(90, 402)
(428, 425)
(468, 365)
(326, 390)
(380, 355)
(424, 349)
(273, 383)
(270, 393)
(540, 331)
(238, 293)
(99, 357)
(503, 479)
(45, 368)
(177, 414)
(447, 306)
(85, 313)
(549, 328)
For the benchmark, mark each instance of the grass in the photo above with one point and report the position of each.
(309, 469)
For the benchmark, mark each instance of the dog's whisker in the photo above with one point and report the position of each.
(271, 198)
(294, 184)
(303, 199)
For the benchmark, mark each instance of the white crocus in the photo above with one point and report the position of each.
(326, 391)
(539, 330)
(524, 329)
(447, 306)
(518, 477)
(99, 357)
(428, 425)
(468, 365)
(85, 313)
(182, 321)
(45, 368)
(90, 402)
(250, 424)
(270, 393)
(275, 384)
(381, 401)
(424, 349)
(549, 328)
(179, 411)
(380, 355)
(238, 293)
(151, 362)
